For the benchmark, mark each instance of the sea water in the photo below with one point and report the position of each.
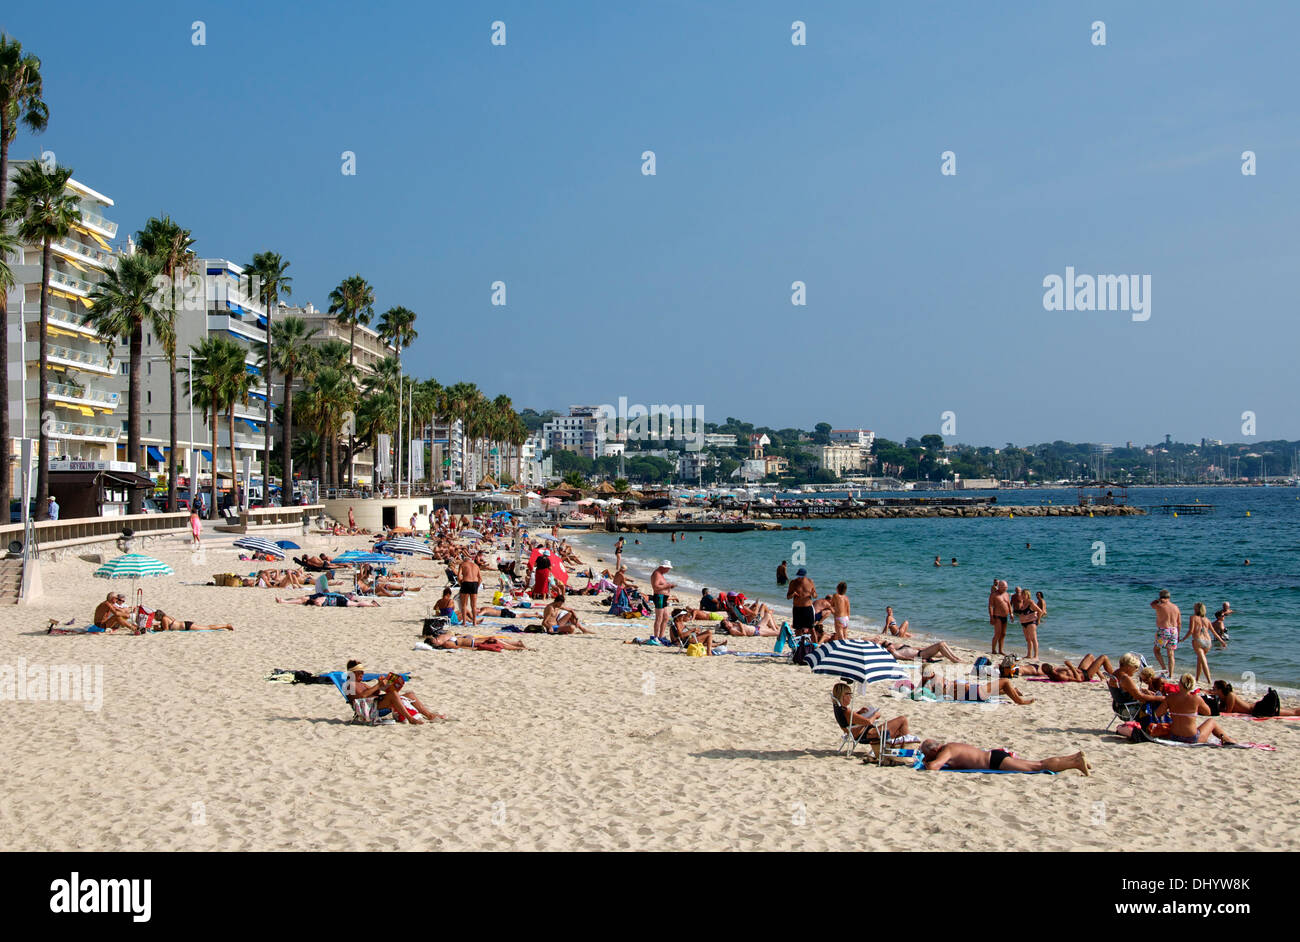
(1097, 602)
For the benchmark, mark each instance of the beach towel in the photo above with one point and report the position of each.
(920, 766)
(1048, 680)
(1248, 716)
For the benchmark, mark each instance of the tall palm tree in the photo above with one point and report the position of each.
(120, 304)
(353, 304)
(271, 271)
(211, 388)
(20, 104)
(45, 211)
(172, 249)
(396, 327)
(335, 394)
(291, 356)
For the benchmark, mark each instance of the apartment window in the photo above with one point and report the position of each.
(150, 424)
(148, 394)
(126, 368)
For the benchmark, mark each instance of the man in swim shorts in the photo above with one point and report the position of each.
(840, 609)
(659, 586)
(469, 577)
(959, 755)
(999, 612)
(1169, 623)
(801, 593)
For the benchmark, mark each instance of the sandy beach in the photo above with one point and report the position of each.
(580, 743)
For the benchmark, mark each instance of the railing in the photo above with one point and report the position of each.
(98, 256)
(295, 515)
(80, 357)
(71, 282)
(109, 433)
(99, 221)
(84, 395)
(59, 534)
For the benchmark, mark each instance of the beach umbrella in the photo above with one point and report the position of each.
(473, 533)
(551, 501)
(259, 544)
(615, 501)
(501, 513)
(287, 544)
(862, 661)
(133, 566)
(405, 545)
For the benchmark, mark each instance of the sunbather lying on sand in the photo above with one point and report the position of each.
(391, 694)
(164, 622)
(907, 652)
(1229, 702)
(1087, 670)
(970, 690)
(331, 600)
(959, 755)
(449, 640)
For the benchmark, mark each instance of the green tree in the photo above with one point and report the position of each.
(291, 357)
(272, 274)
(45, 210)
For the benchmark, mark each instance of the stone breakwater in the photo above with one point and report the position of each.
(991, 510)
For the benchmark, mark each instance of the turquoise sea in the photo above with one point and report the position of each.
(1099, 608)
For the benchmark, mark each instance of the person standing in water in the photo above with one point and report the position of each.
(1201, 630)
(840, 610)
(781, 577)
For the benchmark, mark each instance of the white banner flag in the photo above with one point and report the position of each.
(384, 458)
(417, 459)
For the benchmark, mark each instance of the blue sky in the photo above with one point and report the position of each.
(775, 163)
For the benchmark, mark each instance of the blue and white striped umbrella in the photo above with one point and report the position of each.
(406, 546)
(862, 661)
(259, 544)
(133, 566)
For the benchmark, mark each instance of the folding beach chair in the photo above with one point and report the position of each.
(876, 737)
(365, 710)
(1122, 707)
(847, 741)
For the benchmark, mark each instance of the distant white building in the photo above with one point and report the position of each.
(692, 464)
(582, 431)
(841, 458)
(862, 437)
(719, 440)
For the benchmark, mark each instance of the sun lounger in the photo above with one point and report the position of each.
(365, 711)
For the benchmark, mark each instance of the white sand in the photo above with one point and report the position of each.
(581, 743)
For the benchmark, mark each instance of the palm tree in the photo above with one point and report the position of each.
(335, 394)
(211, 389)
(271, 270)
(20, 104)
(120, 304)
(291, 356)
(45, 211)
(353, 303)
(171, 248)
(396, 327)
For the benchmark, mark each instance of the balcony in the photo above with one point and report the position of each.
(85, 253)
(233, 325)
(63, 392)
(85, 431)
(61, 315)
(96, 221)
(65, 281)
(74, 359)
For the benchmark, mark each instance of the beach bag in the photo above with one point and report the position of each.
(435, 625)
(1269, 705)
(1213, 703)
(695, 649)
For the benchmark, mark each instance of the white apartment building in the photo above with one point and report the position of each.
(841, 458)
(719, 440)
(227, 308)
(367, 352)
(83, 399)
(692, 464)
(581, 431)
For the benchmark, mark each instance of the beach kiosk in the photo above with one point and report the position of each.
(95, 488)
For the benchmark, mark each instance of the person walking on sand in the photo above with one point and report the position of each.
(196, 529)
(1169, 621)
(1201, 630)
(801, 593)
(840, 610)
(659, 587)
(999, 612)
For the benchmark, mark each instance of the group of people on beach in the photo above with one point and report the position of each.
(1028, 609)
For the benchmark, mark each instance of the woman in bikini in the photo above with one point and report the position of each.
(1184, 708)
(449, 640)
(861, 723)
(907, 652)
(1203, 634)
(1029, 613)
(1087, 670)
(839, 603)
(971, 691)
(892, 627)
(1229, 702)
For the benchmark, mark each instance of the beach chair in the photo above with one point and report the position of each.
(1122, 707)
(847, 741)
(365, 710)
